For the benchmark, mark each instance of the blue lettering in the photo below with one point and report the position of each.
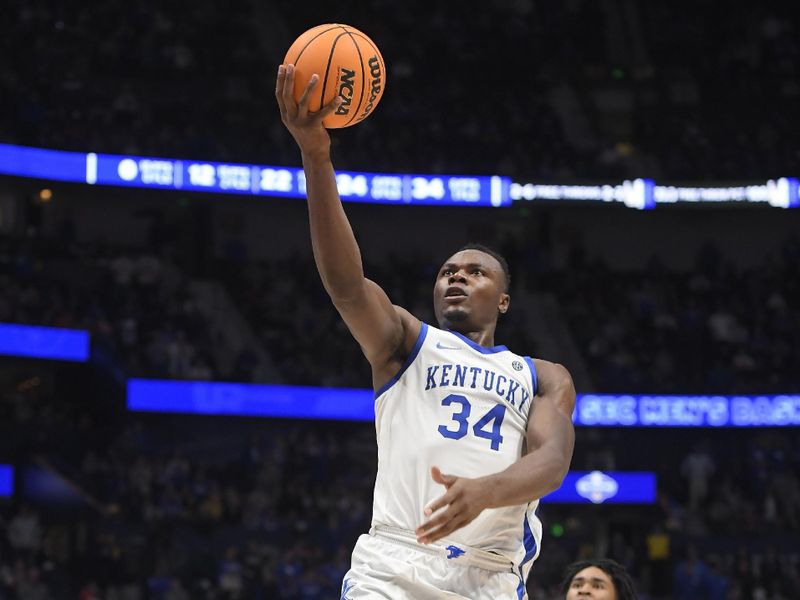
(488, 384)
(512, 389)
(431, 373)
(475, 371)
(525, 396)
(445, 380)
(500, 392)
(461, 373)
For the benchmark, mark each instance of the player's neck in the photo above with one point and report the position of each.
(481, 336)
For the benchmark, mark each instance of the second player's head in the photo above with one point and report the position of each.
(471, 289)
(598, 579)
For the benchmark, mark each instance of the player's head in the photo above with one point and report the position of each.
(597, 579)
(471, 289)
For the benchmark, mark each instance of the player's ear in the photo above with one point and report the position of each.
(505, 300)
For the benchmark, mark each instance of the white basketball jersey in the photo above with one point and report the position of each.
(463, 408)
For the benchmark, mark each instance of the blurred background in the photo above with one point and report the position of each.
(689, 312)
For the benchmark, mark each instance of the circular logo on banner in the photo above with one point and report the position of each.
(127, 169)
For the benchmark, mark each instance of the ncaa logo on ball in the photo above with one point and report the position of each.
(346, 83)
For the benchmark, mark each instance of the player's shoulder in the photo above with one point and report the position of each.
(552, 374)
(412, 330)
(556, 369)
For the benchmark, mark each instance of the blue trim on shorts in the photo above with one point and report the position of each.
(423, 331)
(347, 585)
(521, 588)
(529, 542)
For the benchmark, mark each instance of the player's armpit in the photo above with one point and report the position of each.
(386, 333)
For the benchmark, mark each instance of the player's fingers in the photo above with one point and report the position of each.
(441, 478)
(329, 108)
(429, 531)
(440, 502)
(288, 88)
(302, 105)
(445, 530)
(280, 83)
(433, 523)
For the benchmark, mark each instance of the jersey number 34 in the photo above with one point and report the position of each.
(481, 428)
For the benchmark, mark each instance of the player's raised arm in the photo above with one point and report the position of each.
(385, 332)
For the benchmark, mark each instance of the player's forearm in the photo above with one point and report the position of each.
(530, 478)
(336, 252)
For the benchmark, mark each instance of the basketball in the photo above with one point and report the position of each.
(348, 64)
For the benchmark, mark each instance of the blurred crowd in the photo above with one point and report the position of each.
(154, 507)
(674, 91)
(173, 507)
(117, 507)
(718, 328)
(137, 308)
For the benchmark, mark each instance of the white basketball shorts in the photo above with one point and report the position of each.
(389, 564)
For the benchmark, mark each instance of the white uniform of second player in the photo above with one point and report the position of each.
(463, 408)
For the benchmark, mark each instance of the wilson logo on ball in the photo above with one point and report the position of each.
(375, 92)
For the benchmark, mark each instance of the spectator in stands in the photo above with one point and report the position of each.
(25, 532)
(697, 469)
(598, 579)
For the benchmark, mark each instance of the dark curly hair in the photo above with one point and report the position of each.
(623, 584)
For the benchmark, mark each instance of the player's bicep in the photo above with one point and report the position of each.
(550, 422)
(381, 329)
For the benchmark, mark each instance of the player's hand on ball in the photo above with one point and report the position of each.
(305, 126)
(464, 500)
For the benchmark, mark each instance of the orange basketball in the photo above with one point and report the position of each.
(348, 64)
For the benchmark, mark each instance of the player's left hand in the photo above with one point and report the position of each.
(464, 500)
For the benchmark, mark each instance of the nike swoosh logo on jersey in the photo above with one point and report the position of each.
(441, 346)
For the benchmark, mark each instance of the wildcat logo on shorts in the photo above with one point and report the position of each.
(346, 85)
(455, 551)
(376, 73)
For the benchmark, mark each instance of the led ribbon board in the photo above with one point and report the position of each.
(251, 180)
(283, 401)
(30, 341)
(604, 410)
(200, 397)
(357, 186)
(6, 481)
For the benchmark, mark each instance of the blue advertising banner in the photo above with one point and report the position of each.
(44, 342)
(598, 487)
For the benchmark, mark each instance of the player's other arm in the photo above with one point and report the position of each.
(382, 330)
(550, 440)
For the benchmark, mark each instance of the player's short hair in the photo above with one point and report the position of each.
(623, 583)
(494, 254)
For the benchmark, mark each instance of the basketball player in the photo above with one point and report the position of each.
(470, 435)
(598, 579)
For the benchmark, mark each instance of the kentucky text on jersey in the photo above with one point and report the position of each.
(462, 376)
